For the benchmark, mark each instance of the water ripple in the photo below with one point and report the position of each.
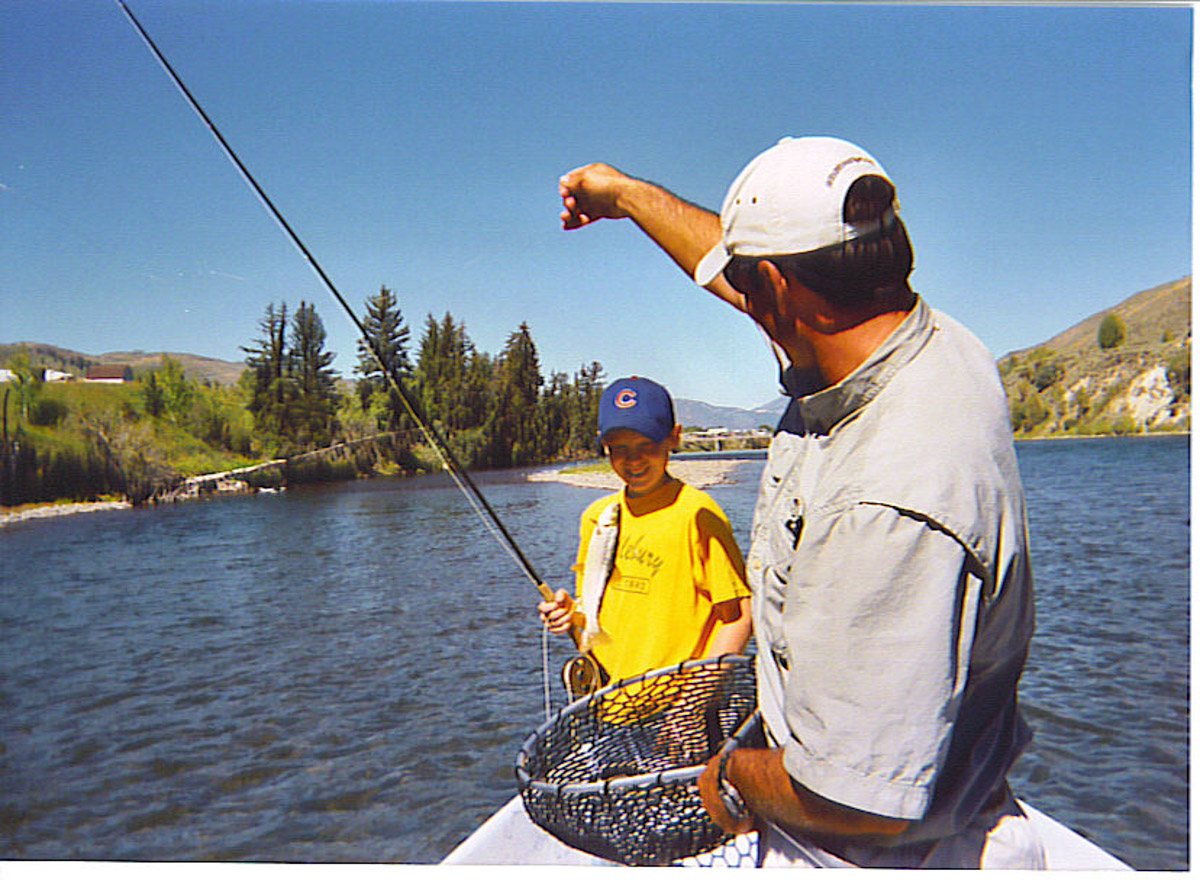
(344, 674)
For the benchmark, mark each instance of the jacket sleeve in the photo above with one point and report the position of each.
(878, 646)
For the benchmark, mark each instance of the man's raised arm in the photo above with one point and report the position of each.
(685, 231)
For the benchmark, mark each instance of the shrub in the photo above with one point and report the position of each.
(47, 411)
(1046, 374)
(1111, 333)
(1179, 373)
(1125, 425)
(1027, 410)
(319, 470)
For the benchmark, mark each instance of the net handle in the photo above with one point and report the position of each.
(620, 784)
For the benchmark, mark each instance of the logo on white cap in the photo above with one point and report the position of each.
(789, 200)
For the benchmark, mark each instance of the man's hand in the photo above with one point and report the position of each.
(771, 795)
(684, 231)
(710, 796)
(557, 614)
(591, 193)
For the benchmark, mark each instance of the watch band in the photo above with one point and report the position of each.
(731, 798)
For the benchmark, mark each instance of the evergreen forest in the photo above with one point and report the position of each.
(82, 441)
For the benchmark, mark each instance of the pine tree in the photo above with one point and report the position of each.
(457, 351)
(473, 403)
(431, 368)
(269, 384)
(554, 419)
(585, 404)
(315, 382)
(518, 382)
(152, 396)
(447, 373)
(493, 410)
(387, 331)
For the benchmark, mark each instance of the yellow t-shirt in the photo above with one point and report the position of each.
(675, 559)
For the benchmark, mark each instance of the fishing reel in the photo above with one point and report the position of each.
(583, 676)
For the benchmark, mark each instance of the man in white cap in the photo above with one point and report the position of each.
(889, 563)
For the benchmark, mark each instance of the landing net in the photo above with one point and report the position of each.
(614, 774)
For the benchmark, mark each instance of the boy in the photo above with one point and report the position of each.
(675, 588)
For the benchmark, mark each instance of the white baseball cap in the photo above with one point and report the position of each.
(789, 200)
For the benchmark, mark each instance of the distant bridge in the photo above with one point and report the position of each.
(718, 439)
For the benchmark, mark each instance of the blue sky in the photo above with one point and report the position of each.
(1042, 154)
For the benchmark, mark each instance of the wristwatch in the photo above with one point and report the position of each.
(731, 798)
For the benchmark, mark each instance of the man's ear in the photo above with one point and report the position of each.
(774, 283)
(676, 438)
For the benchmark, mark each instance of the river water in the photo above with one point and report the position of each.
(345, 673)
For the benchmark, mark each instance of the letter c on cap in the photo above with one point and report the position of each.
(626, 398)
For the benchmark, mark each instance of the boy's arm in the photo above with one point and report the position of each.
(733, 627)
(724, 571)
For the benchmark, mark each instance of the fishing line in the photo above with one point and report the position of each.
(461, 478)
(546, 669)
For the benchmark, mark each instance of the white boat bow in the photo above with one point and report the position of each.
(509, 837)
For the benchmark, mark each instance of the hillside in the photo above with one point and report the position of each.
(1163, 312)
(196, 367)
(1070, 385)
(697, 414)
(1065, 385)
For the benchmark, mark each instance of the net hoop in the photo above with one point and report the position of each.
(614, 773)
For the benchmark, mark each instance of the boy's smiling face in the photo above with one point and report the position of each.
(639, 461)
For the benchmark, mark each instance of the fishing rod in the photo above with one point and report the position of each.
(439, 444)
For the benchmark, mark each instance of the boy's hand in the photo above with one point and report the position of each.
(557, 614)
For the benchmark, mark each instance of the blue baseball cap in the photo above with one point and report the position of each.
(638, 404)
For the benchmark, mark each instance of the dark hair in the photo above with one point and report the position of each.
(872, 268)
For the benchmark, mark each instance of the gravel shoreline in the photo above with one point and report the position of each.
(48, 510)
(699, 474)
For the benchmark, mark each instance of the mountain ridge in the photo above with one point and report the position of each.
(1060, 385)
(196, 367)
(1147, 315)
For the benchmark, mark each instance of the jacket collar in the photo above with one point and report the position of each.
(818, 411)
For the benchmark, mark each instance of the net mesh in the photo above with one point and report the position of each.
(614, 774)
